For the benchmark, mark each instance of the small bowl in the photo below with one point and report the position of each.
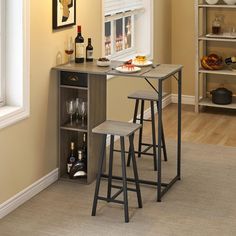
(230, 2)
(212, 2)
(103, 63)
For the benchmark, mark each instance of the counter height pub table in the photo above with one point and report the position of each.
(89, 81)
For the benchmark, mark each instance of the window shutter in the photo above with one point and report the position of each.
(112, 7)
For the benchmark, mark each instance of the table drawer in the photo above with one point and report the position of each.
(74, 79)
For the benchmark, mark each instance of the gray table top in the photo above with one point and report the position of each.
(161, 71)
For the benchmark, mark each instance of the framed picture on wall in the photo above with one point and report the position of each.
(64, 13)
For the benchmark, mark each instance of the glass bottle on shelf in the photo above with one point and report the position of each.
(79, 169)
(216, 26)
(71, 158)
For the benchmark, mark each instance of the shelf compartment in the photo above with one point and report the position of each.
(217, 6)
(204, 38)
(218, 72)
(208, 102)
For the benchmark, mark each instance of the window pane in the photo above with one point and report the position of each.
(119, 35)
(128, 32)
(108, 38)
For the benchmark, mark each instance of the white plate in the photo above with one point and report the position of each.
(141, 64)
(129, 71)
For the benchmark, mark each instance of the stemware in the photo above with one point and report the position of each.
(70, 108)
(83, 111)
(77, 108)
(69, 49)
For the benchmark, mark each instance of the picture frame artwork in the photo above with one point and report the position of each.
(64, 13)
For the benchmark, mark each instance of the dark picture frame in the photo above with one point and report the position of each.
(64, 13)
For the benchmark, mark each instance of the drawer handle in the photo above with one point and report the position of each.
(73, 78)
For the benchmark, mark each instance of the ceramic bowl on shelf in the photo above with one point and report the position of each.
(212, 2)
(230, 2)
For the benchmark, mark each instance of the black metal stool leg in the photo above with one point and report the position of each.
(134, 121)
(110, 168)
(100, 167)
(141, 129)
(126, 211)
(163, 141)
(131, 141)
(153, 136)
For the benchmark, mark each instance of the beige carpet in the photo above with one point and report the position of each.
(203, 203)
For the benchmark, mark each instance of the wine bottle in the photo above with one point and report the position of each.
(84, 145)
(79, 169)
(71, 158)
(79, 47)
(230, 60)
(89, 51)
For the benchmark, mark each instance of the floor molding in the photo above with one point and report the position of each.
(186, 99)
(26, 194)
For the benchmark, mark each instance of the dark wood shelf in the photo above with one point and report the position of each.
(73, 87)
(66, 178)
(75, 127)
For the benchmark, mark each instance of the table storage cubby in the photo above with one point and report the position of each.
(91, 88)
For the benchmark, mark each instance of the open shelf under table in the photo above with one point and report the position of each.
(216, 6)
(218, 72)
(65, 177)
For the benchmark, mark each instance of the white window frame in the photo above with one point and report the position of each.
(2, 53)
(17, 57)
(131, 52)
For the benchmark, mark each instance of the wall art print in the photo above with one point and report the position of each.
(64, 13)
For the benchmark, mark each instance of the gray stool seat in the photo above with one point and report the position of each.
(116, 128)
(144, 95)
(122, 129)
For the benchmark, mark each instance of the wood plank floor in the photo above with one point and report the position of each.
(213, 126)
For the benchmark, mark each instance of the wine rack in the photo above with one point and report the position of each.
(91, 88)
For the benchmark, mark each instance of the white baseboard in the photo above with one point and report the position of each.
(26, 194)
(186, 99)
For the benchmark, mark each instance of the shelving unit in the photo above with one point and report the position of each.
(92, 88)
(202, 44)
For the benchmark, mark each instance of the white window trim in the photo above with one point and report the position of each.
(10, 114)
(2, 56)
(128, 54)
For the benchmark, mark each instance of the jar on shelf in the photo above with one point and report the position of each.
(216, 26)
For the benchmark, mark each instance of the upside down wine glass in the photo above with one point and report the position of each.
(83, 111)
(70, 108)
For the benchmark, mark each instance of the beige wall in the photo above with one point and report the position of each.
(28, 149)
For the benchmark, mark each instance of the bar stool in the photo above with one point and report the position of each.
(150, 96)
(121, 129)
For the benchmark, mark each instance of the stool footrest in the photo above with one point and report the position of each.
(147, 120)
(110, 200)
(119, 187)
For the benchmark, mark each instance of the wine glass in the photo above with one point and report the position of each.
(77, 108)
(83, 111)
(70, 108)
(69, 49)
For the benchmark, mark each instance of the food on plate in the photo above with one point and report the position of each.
(128, 65)
(212, 62)
(103, 59)
(140, 59)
